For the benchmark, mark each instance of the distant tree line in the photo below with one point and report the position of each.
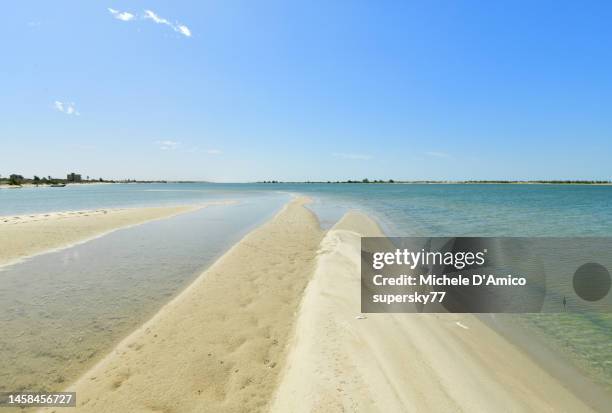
(18, 180)
(392, 181)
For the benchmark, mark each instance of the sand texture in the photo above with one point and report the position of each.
(220, 345)
(275, 325)
(342, 361)
(28, 235)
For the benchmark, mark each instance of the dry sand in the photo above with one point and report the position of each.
(219, 346)
(27, 235)
(342, 361)
(238, 340)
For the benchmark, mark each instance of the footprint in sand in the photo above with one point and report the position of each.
(120, 380)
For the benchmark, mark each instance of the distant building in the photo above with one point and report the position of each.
(72, 177)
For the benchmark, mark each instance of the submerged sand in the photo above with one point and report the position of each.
(275, 325)
(219, 346)
(344, 361)
(24, 236)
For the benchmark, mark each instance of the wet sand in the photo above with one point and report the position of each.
(275, 325)
(24, 236)
(219, 346)
(342, 360)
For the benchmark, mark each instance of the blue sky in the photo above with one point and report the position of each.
(311, 90)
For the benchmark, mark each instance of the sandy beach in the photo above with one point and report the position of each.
(221, 344)
(306, 207)
(275, 325)
(344, 361)
(28, 235)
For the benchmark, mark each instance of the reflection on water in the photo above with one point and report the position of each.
(583, 337)
(62, 311)
(403, 210)
(503, 210)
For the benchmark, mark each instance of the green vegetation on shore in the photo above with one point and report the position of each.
(19, 180)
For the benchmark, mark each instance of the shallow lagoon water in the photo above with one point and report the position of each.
(584, 339)
(62, 311)
(402, 210)
(413, 209)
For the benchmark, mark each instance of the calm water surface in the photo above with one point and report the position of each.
(61, 311)
(142, 257)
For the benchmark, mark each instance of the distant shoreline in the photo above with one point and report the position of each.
(29, 185)
(600, 183)
(448, 182)
(392, 182)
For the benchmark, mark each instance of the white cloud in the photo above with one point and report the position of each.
(66, 107)
(180, 28)
(354, 156)
(125, 16)
(151, 15)
(214, 152)
(154, 17)
(437, 154)
(184, 30)
(121, 15)
(167, 145)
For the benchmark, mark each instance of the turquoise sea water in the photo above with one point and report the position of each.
(63, 310)
(402, 210)
(444, 210)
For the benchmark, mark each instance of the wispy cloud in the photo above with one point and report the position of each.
(438, 154)
(167, 145)
(184, 30)
(152, 16)
(66, 107)
(121, 15)
(214, 152)
(355, 156)
(177, 27)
